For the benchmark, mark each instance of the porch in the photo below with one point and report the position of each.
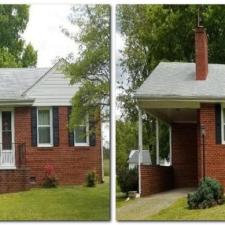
(14, 175)
(185, 155)
(12, 155)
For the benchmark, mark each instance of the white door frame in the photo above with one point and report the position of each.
(11, 153)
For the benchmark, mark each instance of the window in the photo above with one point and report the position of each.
(6, 130)
(223, 123)
(81, 137)
(44, 127)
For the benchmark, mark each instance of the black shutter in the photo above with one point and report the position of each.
(70, 133)
(34, 126)
(55, 113)
(92, 131)
(218, 123)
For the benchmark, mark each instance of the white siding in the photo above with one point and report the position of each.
(52, 89)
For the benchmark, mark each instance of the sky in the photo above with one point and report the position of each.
(119, 47)
(44, 33)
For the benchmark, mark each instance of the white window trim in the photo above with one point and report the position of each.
(51, 127)
(222, 124)
(12, 122)
(87, 143)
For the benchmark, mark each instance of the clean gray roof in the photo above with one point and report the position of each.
(176, 80)
(145, 159)
(14, 81)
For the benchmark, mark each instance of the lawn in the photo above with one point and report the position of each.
(121, 200)
(179, 211)
(120, 197)
(62, 203)
(106, 167)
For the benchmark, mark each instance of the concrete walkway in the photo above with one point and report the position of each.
(140, 209)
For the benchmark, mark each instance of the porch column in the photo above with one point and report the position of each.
(170, 139)
(140, 147)
(157, 141)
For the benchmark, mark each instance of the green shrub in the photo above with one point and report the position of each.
(91, 179)
(127, 179)
(49, 180)
(209, 193)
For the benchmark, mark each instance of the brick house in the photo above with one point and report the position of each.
(34, 113)
(190, 97)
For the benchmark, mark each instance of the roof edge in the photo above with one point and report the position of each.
(6, 102)
(180, 98)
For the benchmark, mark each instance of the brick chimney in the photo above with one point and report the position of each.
(201, 53)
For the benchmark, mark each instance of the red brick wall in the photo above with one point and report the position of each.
(155, 179)
(184, 154)
(71, 163)
(214, 153)
(14, 180)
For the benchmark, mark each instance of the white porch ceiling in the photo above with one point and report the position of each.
(175, 115)
(171, 111)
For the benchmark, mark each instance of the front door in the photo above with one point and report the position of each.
(7, 150)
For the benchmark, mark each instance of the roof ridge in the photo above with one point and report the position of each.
(178, 62)
(41, 77)
(25, 68)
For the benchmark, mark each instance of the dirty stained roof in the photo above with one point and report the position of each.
(14, 81)
(177, 80)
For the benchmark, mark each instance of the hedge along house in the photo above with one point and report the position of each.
(190, 97)
(34, 115)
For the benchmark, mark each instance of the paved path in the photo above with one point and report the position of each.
(141, 208)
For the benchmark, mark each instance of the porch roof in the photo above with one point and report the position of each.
(177, 81)
(145, 157)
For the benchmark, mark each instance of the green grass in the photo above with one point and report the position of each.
(120, 197)
(120, 200)
(179, 211)
(106, 167)
(62, 203)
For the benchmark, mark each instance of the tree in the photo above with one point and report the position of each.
(155, 33)
(91, 69)
(7, 59)
(14, 51)
(126, 140)
(29, 57)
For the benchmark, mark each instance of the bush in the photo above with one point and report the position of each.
(128, 179)
(50, 180)
(209, 193)
(91, 179)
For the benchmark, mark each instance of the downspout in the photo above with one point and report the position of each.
(203, 149)
(157, 141)
(140, 147)
(102, 156)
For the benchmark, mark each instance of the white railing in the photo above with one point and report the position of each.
(7, 157)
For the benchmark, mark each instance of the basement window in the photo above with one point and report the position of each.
(32, 180)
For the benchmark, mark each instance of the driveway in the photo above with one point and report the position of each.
(141, 208)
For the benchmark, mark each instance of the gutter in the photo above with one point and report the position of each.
(180, 98)
(7, 102)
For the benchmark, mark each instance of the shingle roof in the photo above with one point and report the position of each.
(175, 80)
(145, 159)
(14, 81)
